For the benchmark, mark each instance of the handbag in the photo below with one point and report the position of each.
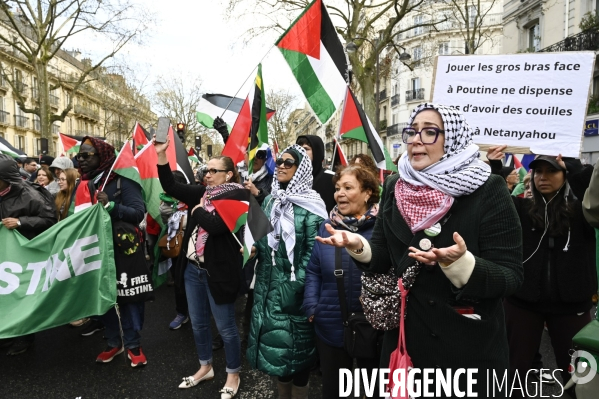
(400, 360)
(171, 248)
(380, 299)
(360, 339)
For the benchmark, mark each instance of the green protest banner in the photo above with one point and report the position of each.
(64, 274)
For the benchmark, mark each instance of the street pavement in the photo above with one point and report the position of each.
(62, 365)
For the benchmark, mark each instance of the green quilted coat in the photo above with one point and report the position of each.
(281, 340)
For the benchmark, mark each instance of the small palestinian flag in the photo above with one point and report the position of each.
(213, 105)
(7, 149)
(356, 125)
(70, 144)
(316, 57)
(125, 164)
(146, 160)
(83, 197)
(250, 123)
(239, 208)
(140, 137)
(339, 157)
(191, 155)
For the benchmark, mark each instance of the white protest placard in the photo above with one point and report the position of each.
(537, 101)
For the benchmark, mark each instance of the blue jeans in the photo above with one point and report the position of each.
(132, 319)
(201, 303)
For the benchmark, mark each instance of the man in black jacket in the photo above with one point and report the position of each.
(259, 181)
(29, 211)
(323, 179)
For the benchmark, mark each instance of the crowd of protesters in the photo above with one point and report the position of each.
(487, 266)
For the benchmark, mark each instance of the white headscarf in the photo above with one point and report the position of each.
(299, 192)
(459, 172)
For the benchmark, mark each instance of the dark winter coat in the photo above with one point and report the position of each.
(321, 297)
(436, 335)
(264, 185)
(323, 179)
(281, 340)
(29, 202)
(561, 279)
(222, 258)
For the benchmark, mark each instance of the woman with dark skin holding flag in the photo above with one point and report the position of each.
(210, 266)
(123, 200)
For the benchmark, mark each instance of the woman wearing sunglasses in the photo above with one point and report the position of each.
(210, 266)
(281, 341)
(450, 230)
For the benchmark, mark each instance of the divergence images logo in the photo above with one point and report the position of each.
(587, 361)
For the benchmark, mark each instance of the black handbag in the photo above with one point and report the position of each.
(360, 339)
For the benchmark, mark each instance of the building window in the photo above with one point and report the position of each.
(416, 55)
(444, 48)
(534, 38)
(418, 20)
(472, 14)
(415, 84)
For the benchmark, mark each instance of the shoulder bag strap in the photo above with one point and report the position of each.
(340, 285)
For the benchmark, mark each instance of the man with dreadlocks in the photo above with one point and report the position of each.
(123, 200)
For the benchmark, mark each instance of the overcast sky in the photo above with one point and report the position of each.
(197, 33)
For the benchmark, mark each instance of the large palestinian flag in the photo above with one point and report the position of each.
(213, 105)
(239, 208)
(356, 125)
(125, 164)
(316, 57)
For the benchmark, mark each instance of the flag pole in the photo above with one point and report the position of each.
(246, 79)
(237, 239)
(339, 130)
(334, 152)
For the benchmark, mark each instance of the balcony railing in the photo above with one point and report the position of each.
(450, 24)
(54, 100)
(383, 95)
(4, 116)
(393, 130)
(394, 100)
(414, 95)
(85, 111)
(21, 121)
(587, 40)
(21, 88)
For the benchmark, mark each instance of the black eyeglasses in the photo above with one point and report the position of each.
(428, 135)
(84, 155)
(285, 163)
(215, 171)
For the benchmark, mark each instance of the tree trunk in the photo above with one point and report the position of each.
(44, 101)
(367, 84)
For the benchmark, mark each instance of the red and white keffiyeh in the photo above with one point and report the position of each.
(421, 206)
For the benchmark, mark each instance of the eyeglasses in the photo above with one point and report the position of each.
(428, 135)
(84, 155)
(215, 171)
(285, 163)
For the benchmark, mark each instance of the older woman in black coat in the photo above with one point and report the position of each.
(454, 314)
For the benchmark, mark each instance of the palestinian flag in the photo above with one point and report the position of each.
(140, 137)
(146, 160)
(250, 123)
(191, 155)
(339, 157)
(83, 197)
(125, 164)
(275, 148)
(356, 125)
(177, 156)
(238, 208)
(213, 105)
(316, 57)
(7, 149)
(70, 144)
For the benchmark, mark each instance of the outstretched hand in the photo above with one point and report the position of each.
(341, 239)
(441, 255)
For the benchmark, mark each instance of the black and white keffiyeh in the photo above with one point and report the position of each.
(299, 192)
(459, 172)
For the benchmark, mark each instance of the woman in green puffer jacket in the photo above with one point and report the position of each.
(281, 341)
